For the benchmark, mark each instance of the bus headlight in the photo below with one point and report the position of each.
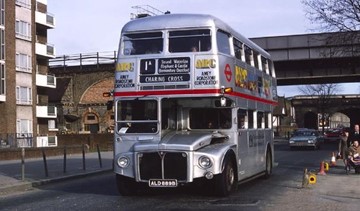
(123, 162)
(205, 162)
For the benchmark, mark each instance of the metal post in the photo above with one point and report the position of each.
(64, 159)
(23, 164)
(45, 163)
(98, 149)
(83, 154)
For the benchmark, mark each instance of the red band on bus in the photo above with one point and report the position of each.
(197, 91)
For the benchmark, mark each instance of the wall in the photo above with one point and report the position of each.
(73, 143)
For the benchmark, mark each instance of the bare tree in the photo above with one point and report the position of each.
(342, 16)
(334, 15)
(323, 94)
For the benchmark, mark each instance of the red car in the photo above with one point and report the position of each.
(333, 134)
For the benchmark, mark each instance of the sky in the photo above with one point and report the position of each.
(88, 26)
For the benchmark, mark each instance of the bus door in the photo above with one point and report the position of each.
(243, 148)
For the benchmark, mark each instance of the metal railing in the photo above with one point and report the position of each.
(16, 140)
(97, 58)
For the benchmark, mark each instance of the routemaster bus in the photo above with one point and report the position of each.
(193, 102)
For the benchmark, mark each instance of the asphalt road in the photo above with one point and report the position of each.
(282, 191)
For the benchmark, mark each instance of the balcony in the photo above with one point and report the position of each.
(48, 81)
(45, 50)
(45, 19)
(42, 1)
(46, 112)
(46, 141)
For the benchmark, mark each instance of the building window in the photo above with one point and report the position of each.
(23, 127)
(52, 124)
(23, 62)
(2, 44)
(24, 133)
(2, 79)
(24, 3)
(2, 12)
(23, 95)
(23, 30)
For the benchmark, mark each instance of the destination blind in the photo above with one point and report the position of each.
(168, 70)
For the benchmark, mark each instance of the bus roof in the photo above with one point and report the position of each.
(176, 21)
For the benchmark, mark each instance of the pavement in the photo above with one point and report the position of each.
(12, 179)
(15, 176)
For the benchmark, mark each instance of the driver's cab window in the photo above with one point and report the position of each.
(137, 116)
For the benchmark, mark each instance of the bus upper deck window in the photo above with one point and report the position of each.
(264, 64)
(238, 48)
(248, 55)
(143, 43)
(223, 43)
(256, 59)
(196, 40)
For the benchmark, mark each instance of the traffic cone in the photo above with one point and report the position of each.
(333, 160)
(326, 166)
(322, 171)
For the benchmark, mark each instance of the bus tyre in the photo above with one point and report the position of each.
(268, 165)
(126, 185)
(225, 182)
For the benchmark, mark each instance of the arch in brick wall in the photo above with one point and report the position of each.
(94, 93)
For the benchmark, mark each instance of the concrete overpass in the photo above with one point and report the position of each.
(298, 59)
(313, 58)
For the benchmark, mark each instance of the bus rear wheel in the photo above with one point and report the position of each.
(225, 183)
(126, 185)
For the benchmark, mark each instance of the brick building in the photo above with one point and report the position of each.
(26, 118)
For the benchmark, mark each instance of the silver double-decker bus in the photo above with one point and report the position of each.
(193, 102)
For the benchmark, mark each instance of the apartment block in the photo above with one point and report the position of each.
(26, 117)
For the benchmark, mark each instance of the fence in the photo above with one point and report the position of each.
(15, 140)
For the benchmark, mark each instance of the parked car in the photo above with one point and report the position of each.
(333, 134)
(306, 138)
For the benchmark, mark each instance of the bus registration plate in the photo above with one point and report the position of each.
(158, 183)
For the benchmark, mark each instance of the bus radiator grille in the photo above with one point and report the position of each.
(175, 166)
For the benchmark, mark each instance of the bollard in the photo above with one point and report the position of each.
(83, 155)
(23, 164)
(64, 159)
(305, 181)
(312, 178)
(99, 155)
(45, 163)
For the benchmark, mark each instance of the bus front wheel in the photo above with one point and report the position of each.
(225, 183)
(126, 185)
(268, 167)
